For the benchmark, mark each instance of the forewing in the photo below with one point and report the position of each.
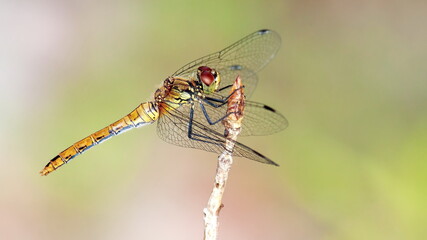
(229, 75)
(250, 54)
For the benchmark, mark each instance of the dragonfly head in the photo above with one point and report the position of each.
(209, 78)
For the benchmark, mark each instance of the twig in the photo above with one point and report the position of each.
(232, 128)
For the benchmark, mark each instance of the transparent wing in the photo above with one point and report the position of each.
(249, 54)
(228, 76)
(173, 128)
(259, 119)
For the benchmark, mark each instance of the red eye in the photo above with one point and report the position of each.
(204, 68)
(207, 77)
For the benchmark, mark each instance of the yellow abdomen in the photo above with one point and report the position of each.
(145, 113)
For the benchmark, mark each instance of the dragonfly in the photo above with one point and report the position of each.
(192, 102)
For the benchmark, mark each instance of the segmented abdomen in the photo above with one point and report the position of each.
(145, 113)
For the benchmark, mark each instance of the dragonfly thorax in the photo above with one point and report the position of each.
(175, 90)
(163, 91)
(209, 78)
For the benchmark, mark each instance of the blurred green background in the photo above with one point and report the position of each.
(350, 77)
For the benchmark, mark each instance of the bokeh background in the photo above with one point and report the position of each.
(350, 77)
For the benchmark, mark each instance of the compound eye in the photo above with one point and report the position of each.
(207, 77)
(204, 69)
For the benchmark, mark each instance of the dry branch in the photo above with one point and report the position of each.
(232, 125)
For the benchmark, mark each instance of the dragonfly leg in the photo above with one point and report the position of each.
(226, 87)
(209, 119)
(210, 100)
(199, 137)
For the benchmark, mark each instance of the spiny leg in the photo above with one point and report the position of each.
(198, 137)
(210, 101)
(208, 118)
